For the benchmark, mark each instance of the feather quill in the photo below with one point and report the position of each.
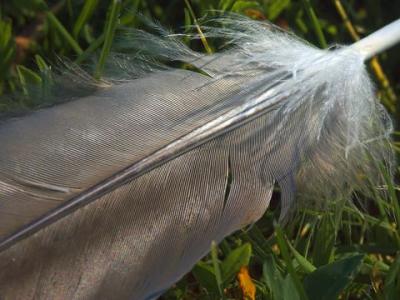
(117, 194)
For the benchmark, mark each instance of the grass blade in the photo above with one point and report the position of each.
(285, 254)
(217, 270)
(316, 24)
(64, 32)
(111, 24)
(202, 37)
(86, 13)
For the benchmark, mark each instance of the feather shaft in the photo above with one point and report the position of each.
(234, 118)
(379, 41)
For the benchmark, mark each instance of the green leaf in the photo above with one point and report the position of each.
(273, 278)
(217, 267)
(303, 262)
(234, 261)
(205, 276)
(289, 289)
(328, 281)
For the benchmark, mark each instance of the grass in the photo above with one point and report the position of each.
(345, 251)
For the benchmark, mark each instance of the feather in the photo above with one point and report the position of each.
(117, 194)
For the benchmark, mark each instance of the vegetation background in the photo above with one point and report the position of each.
(346, 252)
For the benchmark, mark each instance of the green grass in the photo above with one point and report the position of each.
(344, 251)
